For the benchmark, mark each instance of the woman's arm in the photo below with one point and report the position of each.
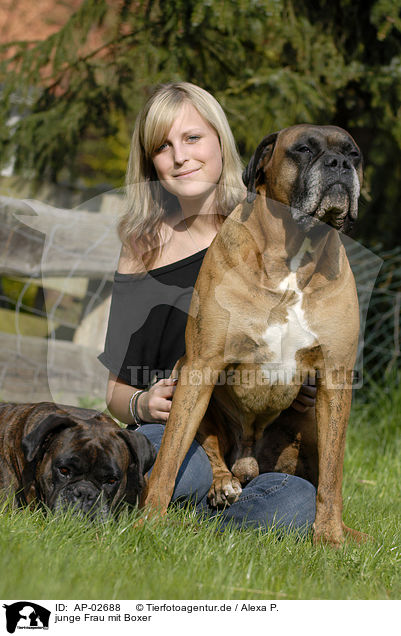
(152, 406)
(117, 399)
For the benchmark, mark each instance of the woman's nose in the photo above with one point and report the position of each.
(180, 153)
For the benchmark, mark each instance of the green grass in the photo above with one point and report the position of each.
(178, 558)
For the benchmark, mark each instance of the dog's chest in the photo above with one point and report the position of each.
(287, 331)
(290, 334)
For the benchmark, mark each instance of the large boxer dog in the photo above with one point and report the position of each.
(70, 457)
(275, 301)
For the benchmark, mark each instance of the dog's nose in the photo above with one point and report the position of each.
(336, 162)
(83, 495)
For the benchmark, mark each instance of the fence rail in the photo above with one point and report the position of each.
(36, 369)
(38, 240)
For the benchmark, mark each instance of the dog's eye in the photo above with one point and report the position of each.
(304, 149)
(64, 471)
(111, 481)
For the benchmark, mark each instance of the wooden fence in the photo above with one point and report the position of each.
(56, 271)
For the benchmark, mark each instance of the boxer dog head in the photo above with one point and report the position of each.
(89, 465)
(315, 170)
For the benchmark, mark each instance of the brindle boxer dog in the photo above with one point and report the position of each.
(275, 301)
(70, 457)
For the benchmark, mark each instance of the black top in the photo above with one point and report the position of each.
(148, 314)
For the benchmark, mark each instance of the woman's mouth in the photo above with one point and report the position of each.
(185, 173)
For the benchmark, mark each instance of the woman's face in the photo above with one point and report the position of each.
(189, 162)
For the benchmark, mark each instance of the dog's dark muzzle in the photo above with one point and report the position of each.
(83, 497)
(337, 207)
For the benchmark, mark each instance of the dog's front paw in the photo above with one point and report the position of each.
(359, 537)
(329, 534)
(335, 535)
(224, 491)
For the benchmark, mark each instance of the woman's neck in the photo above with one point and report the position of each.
(195, 223)
(189, 230)
(199, 206)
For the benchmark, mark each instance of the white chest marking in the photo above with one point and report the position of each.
(284, 339)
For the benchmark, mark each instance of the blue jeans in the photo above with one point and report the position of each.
(270, 500)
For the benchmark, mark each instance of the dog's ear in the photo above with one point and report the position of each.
(143, 455)
(33, 442)
(142, 451)
(251, 173)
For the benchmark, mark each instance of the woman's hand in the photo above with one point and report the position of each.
(154, 404)
(306, 397)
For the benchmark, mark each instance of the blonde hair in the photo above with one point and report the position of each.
(147, 202)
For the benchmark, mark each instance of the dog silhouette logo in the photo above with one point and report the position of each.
(26, 615)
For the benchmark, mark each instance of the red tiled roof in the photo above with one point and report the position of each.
(27, 20)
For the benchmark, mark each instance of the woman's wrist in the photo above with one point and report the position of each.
(140, 407)
(133, 407)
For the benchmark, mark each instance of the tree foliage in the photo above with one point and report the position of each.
(270, 63)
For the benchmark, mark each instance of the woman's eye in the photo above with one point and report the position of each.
(193, 138)
(161, 148)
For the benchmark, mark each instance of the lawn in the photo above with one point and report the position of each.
(179, 558)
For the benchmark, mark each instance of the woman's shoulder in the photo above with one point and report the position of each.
(129, 263)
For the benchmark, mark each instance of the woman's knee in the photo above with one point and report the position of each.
(195, 474)
(275, 501)
(294, 503)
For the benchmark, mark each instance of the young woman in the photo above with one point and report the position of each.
(183, 179)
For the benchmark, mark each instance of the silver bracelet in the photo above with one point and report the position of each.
(133, 406)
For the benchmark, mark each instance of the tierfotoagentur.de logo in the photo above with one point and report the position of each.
(26, 615)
